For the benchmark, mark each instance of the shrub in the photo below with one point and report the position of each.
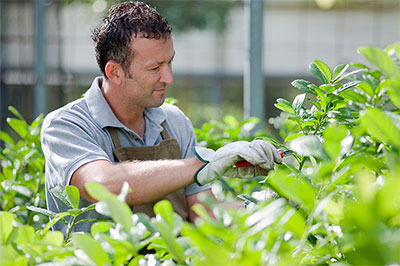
(22, 170)
(335, 200)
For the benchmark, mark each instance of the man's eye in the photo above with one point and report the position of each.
(155, 68)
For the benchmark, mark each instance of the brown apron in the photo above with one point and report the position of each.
(168, 148)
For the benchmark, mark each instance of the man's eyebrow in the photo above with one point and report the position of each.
(172, 58)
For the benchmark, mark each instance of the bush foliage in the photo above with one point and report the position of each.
(335, 200)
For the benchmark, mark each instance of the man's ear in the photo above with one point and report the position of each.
(114, 72)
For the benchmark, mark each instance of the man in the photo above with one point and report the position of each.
(121, 131)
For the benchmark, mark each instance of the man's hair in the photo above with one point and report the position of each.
(124, 21)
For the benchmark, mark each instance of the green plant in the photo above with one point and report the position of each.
(70, 196)
(349, 142)
(336, 201)
(20, 245)
(22, 170)
(216, 134)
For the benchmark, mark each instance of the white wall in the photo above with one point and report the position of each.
(293, 37)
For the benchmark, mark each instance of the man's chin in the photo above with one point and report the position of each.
(158, 102)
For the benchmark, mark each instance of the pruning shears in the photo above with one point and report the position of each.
(245, 163)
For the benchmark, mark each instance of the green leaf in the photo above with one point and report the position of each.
(10, 257)
(360, 66)
(6, 219)
(293, 136)
(308, 146)
(349, 85)
(110, 205)
(146, 221)
(263, 218)
(247, 198)
(231, 121)
(367, 88)
(333, 209)
(316, 104)
(171, 100)
(59, 217)
(91, 247)
(394, 92)
(202, 212)
(396, 47)
(339, 71)
(303, 85)
(382, 85)
(59, 193)
(381, 127)
(283, 101)
(353, 96)
(318, 74)
(309, 123)
(394, 117)
(73, 195)
(37, 122)
(381, 60)
(22, 235)
(75, 212)
(165, 225)
(20, 126)
(6, 138)
(285, 106)
(296, 222)
(324, 69)
(120, 212)
(328, 88)
(165, 209)
(298, 102)
(349, 74)
(388, 199)
(225, 185)
(98, 191)
(292, 188)
(54, 238)
(23, 190)
(100, 227)
(45, 212)
(333, 136)
(16, 113)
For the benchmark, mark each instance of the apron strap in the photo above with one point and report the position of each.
(164, 133)
(114, 137)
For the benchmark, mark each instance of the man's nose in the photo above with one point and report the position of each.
(166, 76)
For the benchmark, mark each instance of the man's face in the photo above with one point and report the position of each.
(149, 72)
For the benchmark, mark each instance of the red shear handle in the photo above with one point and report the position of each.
(246, 163)
(242, 164)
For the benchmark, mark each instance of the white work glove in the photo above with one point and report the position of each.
(261, 154)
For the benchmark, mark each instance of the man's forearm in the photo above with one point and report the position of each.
(149, 180)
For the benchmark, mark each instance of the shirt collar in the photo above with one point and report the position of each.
(98, 106)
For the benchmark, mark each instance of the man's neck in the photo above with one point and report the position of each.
(131, 116)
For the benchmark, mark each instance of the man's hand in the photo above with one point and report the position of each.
(261, 154)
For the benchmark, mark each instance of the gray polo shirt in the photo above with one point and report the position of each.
(75, 135)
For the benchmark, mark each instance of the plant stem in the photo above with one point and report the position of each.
(302, 163)
(70, 226)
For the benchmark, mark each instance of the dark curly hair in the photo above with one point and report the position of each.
(124, 21)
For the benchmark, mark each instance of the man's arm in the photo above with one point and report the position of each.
(149, 180)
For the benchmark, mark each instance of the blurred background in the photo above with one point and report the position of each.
(47, 58)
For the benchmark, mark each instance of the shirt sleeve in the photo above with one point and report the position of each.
(68, 144)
